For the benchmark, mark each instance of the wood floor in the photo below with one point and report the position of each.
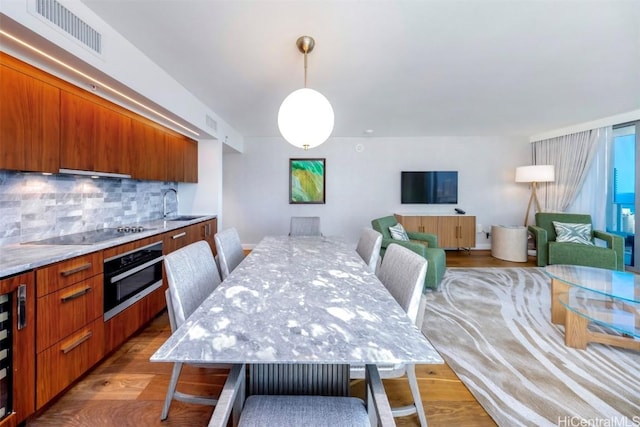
(128, 390)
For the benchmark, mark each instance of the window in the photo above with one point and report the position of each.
(623, 204)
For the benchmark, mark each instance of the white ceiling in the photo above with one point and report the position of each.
(400, 68)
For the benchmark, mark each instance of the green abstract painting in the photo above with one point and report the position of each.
(306, 180)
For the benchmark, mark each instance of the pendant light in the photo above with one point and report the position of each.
(305, 118)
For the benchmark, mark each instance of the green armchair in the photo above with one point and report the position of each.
(423, 244)
(551, 252)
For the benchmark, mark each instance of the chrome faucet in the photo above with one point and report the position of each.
(164, 202)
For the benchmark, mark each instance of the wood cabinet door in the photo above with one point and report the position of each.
(174, 159)
(24, 366)
(429, 224)
(78, 127)
(148, 152)
(410, 223)
(448, 232)
(190, 160)
(29, 123)
(63, 312)
(66, 361)
(93, 137)
(207, 230)
(467, 226)
(112, 141)
(179, 238)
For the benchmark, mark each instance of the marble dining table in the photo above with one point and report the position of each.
(296, 300)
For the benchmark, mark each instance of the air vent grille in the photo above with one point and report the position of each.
(70, 23)
(211, 122)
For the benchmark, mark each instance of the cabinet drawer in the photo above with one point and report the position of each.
(67, 310)
(63, 363)
(65, 273)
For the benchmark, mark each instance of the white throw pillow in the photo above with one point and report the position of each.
(398, 232)
(573, 233)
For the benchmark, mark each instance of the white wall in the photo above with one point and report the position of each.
(365, 185)
(205, 197)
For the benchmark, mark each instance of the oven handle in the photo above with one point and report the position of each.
(136, 269)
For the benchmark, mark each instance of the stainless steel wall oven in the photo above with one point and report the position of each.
(130, 276)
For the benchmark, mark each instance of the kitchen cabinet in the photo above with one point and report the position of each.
(181, 158)
(184, 236)
(180, 238)
(69, 328)
(208, 229)
(22, 338)
(29, 121)
(124, 324)
(47, 124)
(93, 137)
(453, 231)
(190, 160)
(148, 152)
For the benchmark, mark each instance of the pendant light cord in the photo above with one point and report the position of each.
(305, 68)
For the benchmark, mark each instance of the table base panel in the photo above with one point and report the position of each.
(577, 334)
(299, 379)
(558, 311)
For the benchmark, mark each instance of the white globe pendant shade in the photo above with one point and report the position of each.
(305, 118)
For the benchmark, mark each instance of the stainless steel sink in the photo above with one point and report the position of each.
(184, 217)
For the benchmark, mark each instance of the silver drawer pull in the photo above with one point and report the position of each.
(76, 294)
(68, 273)
(79, 341)
(177, 236)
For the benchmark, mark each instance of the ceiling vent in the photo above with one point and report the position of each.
(63, 18)
(211, 122)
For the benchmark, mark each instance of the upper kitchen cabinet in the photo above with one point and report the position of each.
(48, 124)
(93, 137)
(148, 152)
(29, 120)
(182, 158)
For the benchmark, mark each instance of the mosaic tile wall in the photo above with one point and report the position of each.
(35, 206)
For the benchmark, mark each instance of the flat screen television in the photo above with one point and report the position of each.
(429, 187)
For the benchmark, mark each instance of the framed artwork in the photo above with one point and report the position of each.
(307, 179)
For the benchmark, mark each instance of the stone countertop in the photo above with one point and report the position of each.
(18, 258)
(299, 300)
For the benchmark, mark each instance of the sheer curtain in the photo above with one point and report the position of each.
(572, 156)
(594, 194)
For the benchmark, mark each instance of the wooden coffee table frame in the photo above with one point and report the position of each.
(576, 325)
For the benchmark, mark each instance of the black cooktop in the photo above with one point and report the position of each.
(88, 237)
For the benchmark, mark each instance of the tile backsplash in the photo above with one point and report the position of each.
(35, 206)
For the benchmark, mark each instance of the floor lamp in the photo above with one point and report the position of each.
(534, 174)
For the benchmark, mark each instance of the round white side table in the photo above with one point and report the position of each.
(509, 242)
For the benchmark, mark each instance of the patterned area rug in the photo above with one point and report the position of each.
(492, 326)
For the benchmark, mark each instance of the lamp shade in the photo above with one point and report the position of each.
(305, 118)
(535, 173)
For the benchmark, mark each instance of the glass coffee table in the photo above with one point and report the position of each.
(580, 295)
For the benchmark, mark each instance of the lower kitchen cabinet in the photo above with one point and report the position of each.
(180, 238)
(17, 294)
(63, 363)
(208, 229)
(184, 236)
(126, 322)
(64, 313)
(69, 329)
